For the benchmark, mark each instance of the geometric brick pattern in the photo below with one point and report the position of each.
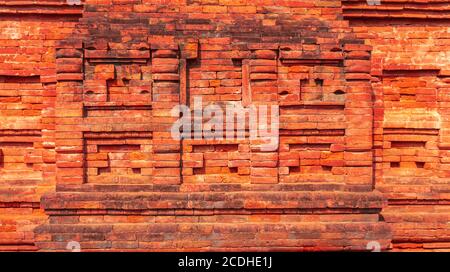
(86, 153)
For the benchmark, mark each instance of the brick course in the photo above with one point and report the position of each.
(86, 154)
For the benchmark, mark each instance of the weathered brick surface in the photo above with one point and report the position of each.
(410, 68)
(86, 93)
(28, 34)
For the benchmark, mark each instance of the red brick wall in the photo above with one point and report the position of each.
(87, 154)
(28, 34)
(410, 60)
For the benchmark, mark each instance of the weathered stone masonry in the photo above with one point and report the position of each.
(86, 153)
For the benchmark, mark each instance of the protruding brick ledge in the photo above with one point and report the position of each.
(296, 202)
(57, 7)
(397, 9)
(213, 221)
